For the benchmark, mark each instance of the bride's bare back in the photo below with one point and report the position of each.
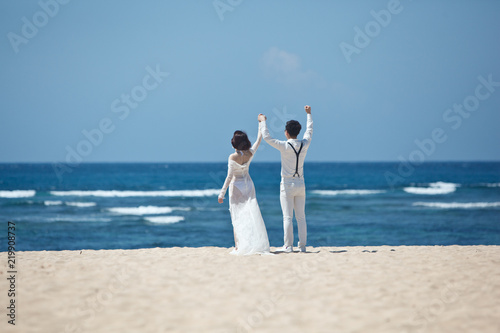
(250, 234)
(241, 156)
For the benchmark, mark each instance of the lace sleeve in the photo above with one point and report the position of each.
(257, 141)
(228, 179)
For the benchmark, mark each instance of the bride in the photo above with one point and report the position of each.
(250, 235)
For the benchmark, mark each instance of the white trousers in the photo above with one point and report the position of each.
(293, 198)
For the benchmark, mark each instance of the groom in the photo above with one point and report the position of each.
(292, 187)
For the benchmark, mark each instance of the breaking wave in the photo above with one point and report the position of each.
(114, 193)
(346, 192)
(17, 194)
(145, 210)
(164, 219)
(433, 189)
(458, 205)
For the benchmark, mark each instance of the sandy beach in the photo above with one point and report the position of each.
(329, 289)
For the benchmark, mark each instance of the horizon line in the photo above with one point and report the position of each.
(225, 161)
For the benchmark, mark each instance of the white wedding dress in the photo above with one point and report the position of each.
(249, 228)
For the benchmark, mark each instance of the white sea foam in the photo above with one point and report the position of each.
(492, 184)
(346, 192)
(458, 205)
(52, 203)
(145, 210)
(74, 204)
(164, 219)
(433, 189)
(17, 194)
(81, 204)
(63, 218)
(114, 193)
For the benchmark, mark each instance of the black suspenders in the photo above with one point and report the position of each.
(297, 155)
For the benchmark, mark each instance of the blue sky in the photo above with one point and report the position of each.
(170, 81)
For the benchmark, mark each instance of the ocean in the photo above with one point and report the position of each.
(146, 205)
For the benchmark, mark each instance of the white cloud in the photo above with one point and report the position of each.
(285, 67)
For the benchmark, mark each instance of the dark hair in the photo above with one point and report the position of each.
(293, 128)
(240, 141)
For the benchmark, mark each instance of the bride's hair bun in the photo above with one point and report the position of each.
(240, 141)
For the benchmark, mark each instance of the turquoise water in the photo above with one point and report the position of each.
(128, 206)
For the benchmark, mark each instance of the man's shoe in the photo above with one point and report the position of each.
(286, 249)
(303, 249)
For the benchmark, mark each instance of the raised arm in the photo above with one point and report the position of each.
(309, 130)
(280, 145)
(227, 181)
(257, 142)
